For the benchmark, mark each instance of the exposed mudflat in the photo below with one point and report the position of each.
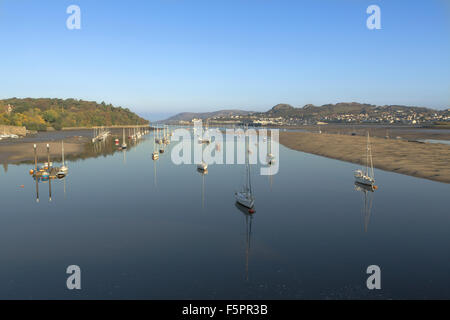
(424, 160)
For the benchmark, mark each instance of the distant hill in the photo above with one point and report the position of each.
(340, 112)
(38, 114)
(188, 116)
(312, 111)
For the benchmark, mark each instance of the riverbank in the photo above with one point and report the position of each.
(423, 160)
(24, 151)
(77, 145)
(404, 132)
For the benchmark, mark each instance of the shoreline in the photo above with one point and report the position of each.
(77, 145)
(19, 152)
(422, 160)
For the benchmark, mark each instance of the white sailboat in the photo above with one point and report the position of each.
(63, 169)
(245, 197)
(157, 139)
(366, 176)
(270, 158)
(202, 166)
(155, 154)
(124, 144)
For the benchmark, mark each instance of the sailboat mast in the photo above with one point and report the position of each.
(370, 155)
(249, 183)
(63, 153)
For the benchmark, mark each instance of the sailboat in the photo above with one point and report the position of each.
(270, 157)
(245, 197)
(157, 140)
(366, 177)
(166, 139)
(202, 166)
(124, 144)
(155, 154)
(63, 168)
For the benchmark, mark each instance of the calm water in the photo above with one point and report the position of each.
(436, 141)
(179, 234)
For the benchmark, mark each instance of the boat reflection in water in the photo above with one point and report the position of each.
(248, 234)
(49, 174)
(48, 180)
(368, 193)
(203, 173)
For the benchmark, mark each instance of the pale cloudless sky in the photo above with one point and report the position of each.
(167, 56)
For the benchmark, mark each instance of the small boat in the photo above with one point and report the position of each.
(366, 176)
(245, 197)
(203, 166)
(48, 165)
(203, 172)
(61, 174)
(45, 175)
(155, 154)
(204, 141)
(124, 145)
(270, 159)
(63, 168)
(157, 138)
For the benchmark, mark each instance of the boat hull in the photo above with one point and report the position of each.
(244, 200)
(363, 179)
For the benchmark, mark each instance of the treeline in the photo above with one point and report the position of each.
(38, 114)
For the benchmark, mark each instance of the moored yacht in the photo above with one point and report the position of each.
(203, 166)
(366, 176)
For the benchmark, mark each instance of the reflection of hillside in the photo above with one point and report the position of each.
(93, 150)
(102, 149)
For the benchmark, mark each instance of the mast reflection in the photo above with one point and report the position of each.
(368, 193)
(203, 173)
(248, 235)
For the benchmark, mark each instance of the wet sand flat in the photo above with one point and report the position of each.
(24, 151)
(423, 160)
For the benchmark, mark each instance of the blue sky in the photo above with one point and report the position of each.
(168, 56)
